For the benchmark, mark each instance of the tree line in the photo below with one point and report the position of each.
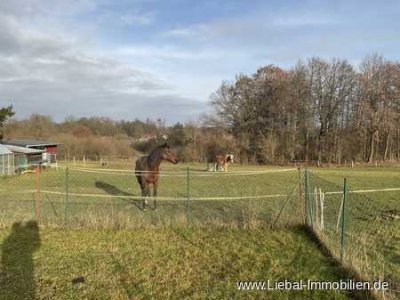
(321, 110)
(98, 136)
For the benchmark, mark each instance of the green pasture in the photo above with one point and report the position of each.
(105, 198)
(161, 263)
(245, 200)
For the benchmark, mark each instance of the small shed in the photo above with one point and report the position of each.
(7, 166)
(48, 149)
(25, 158)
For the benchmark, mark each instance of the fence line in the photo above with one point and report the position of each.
(183, 172)
(350, 224)
(202, 198)
(167, 198)
(227, 199)
(362, 232)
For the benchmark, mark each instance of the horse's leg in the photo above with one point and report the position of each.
(143, 197)
(145, 193)
(215, 167)
(155, 185)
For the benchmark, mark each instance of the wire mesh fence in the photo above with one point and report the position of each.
(361, 231)
(77, 197)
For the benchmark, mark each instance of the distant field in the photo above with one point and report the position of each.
(363, 177)
(163, 263)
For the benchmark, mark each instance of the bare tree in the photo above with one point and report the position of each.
(321, 110)
(331, 90)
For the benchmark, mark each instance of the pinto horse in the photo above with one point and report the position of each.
(223, 161)
(148, 168)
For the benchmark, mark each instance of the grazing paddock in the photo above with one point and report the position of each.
(245, 200)
(169, 263)
(108, 198)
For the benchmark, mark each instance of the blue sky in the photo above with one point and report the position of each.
(162, 59)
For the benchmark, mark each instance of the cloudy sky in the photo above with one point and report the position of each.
(131, 59)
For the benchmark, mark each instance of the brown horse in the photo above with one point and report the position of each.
(222, 161)
(148, 168)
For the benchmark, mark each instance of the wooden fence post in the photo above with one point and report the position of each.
(37, 194)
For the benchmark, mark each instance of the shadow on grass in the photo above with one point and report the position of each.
(114, 191)
(16, 273)
(343, 272)
(240, 213)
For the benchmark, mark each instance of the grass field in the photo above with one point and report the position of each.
(122, 247)
(163, 263)
(108, 197)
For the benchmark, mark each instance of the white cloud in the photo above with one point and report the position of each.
(136, 19)
(29, 9)
(306, 19)
(178, 32)
(120, 58)
(169, 52)
(55, 73)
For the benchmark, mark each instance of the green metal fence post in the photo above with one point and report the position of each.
(309, 215)
(188, 212)
(300, 195)
(342, 231)
(66, 186)
(305, 196)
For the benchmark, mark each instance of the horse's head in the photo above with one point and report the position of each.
(169, 154)
(229, 158)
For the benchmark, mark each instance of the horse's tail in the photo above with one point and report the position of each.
(138, 170)
(139, 179)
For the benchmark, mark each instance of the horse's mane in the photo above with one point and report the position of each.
(155, 153)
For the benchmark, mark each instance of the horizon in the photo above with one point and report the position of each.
(154, 59)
